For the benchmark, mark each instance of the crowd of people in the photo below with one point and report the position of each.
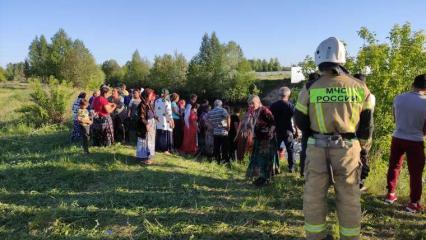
(166, 123)
(332, 118)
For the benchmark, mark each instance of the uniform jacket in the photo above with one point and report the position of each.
(336, 104)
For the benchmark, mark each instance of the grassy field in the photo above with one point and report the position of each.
(50, 190)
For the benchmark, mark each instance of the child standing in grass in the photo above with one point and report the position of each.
(85, 121)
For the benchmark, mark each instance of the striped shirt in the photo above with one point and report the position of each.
(218, 118)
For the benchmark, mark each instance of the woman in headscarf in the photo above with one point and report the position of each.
(103, 130)
(244, 136)
(145, 128)
(76, 132)
(189, 145)
(263, 160)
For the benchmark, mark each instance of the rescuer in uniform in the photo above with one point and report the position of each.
(336, 110)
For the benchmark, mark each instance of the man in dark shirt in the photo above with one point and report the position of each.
(283, 111)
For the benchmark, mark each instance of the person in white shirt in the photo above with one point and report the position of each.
(165, 124)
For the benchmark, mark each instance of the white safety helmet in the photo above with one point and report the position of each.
(330, 50)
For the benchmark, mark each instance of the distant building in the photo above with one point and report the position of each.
(297, 75)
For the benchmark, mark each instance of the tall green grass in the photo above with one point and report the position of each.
(50, 190)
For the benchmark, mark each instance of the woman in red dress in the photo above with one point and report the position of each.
(189, 145)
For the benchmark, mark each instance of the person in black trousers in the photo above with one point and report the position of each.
(283, 111)
(83, 117)
(235, 121)
(219, 120)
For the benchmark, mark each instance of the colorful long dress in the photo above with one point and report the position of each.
(151, 135)
(244, 138)
(76, 131)
(189, 144)
(145, 147)
(102, 127)
(208, 140)
(145, 132)
(263, 160)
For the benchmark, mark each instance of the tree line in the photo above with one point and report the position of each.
(263, 65)
(218, 66)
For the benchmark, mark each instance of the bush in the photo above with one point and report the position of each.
(49, 103)
(2, 75)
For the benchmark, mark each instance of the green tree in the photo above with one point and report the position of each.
(15, 72)
(113, 72)
(39, 58)
(169, 71)
(276, 66)
(2, 75)
(220, 70)
(79, 67)
(393, 65)
(264, 65)
(308, 66)
(27, 69)
(239, 86)
(206, 69)
(233, 55)
(60, 46)
(136, 71)
(259, 65)
(271, 65)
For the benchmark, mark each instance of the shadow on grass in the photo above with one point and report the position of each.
(40, 195)
(36, 191)
(391, 221)
(34, 143)
(172, 219)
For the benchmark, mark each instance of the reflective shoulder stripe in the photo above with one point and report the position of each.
(314, 228)
(369, 103)
(302, 108)
(355, 116)
(350, 232)
(320, 118)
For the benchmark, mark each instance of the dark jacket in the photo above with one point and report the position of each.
(142, 122)
(283, 112)
(264, 123)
